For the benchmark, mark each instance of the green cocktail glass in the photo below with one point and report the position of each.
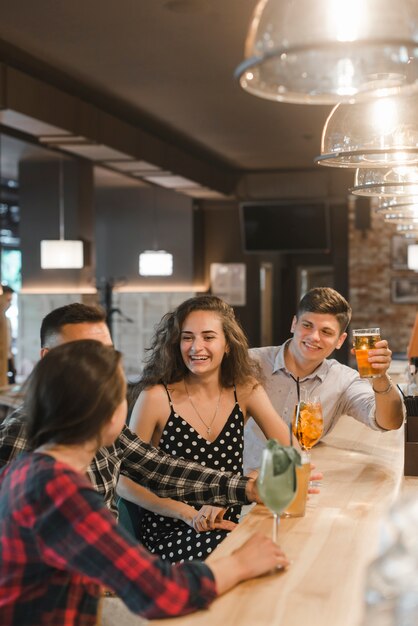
(277, 480)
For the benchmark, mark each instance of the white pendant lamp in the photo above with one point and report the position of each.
(330, 51)
(61, 253)
(155, 262)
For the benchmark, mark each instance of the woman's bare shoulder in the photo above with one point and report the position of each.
(248, 387)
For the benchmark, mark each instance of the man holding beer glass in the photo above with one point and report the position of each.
(302, 363)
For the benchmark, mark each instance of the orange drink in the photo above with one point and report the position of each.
(309, 424)
(297, 507)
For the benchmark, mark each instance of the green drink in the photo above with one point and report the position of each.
(276, 491)
(277, 479)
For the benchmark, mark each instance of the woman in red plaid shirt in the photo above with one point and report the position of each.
(59, 543)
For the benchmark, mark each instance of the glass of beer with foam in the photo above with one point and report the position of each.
(364, 339)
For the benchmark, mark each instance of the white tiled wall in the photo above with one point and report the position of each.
(146, 309)
(131, 338)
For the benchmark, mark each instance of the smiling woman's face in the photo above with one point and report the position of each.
(203, 343)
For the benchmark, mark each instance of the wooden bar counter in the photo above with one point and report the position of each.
(329, 548)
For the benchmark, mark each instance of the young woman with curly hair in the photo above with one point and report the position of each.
(198, 387)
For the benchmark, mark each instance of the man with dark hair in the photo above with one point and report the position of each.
(319, 327)
(162, 473)
(73, 322)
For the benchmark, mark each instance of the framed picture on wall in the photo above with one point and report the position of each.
(399, 250)
(405, 290)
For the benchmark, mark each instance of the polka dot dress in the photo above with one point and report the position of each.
(172, 539)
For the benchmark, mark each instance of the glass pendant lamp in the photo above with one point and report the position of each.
(399, 204)
(407, 230)
(330, 51)
(397, 181)
(401, 218)
(382, 132)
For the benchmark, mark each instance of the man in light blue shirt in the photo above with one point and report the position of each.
(319, 328)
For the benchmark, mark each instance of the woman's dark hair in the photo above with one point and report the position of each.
(164, 363)
(72, 392)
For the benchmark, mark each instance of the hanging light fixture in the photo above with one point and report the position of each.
(399, 217)
(61, 253)
(413, 257)
(397, 181)
(382, 132)
(155, 262)
(330, 51)
(400, 204)
(407, 230)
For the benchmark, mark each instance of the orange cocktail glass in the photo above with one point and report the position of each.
(308, 422)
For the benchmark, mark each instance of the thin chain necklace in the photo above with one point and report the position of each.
(207, 426)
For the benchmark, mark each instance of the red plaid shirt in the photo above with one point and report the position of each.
(59, 544)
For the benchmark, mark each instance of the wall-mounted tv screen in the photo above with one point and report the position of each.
(286, 226)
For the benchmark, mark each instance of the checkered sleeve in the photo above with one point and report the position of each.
(178, 478)
(76, 532)
(12, 437)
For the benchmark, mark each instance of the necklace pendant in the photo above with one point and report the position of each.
(209, 430)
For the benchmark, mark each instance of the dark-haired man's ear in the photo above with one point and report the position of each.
(294, 322)
(44, 351)
(341, 340)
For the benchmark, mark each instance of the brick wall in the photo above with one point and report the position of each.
(371, 273)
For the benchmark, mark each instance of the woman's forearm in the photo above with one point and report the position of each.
(141, 496)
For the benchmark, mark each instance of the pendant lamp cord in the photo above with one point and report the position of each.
(61, 199)
(154, 218)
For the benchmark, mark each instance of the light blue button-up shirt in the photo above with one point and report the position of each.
(340, 389)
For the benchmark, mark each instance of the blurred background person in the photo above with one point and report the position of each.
(5, 304)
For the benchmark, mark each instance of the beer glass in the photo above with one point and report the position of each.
(277, 479)
(364, 339)
(298, 505)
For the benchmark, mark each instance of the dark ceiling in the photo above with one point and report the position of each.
(167, 66)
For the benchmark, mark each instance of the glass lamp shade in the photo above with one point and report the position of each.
(330, 51)
(402, 205)
(62, 254)
(401, 218)
(397, 181)
(413, 257)
(408, 230)
(382, 132)
(155, 263)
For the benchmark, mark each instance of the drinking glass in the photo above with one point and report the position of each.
(364, 339)
(277, 479)
(308, 422)
(298, 505)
